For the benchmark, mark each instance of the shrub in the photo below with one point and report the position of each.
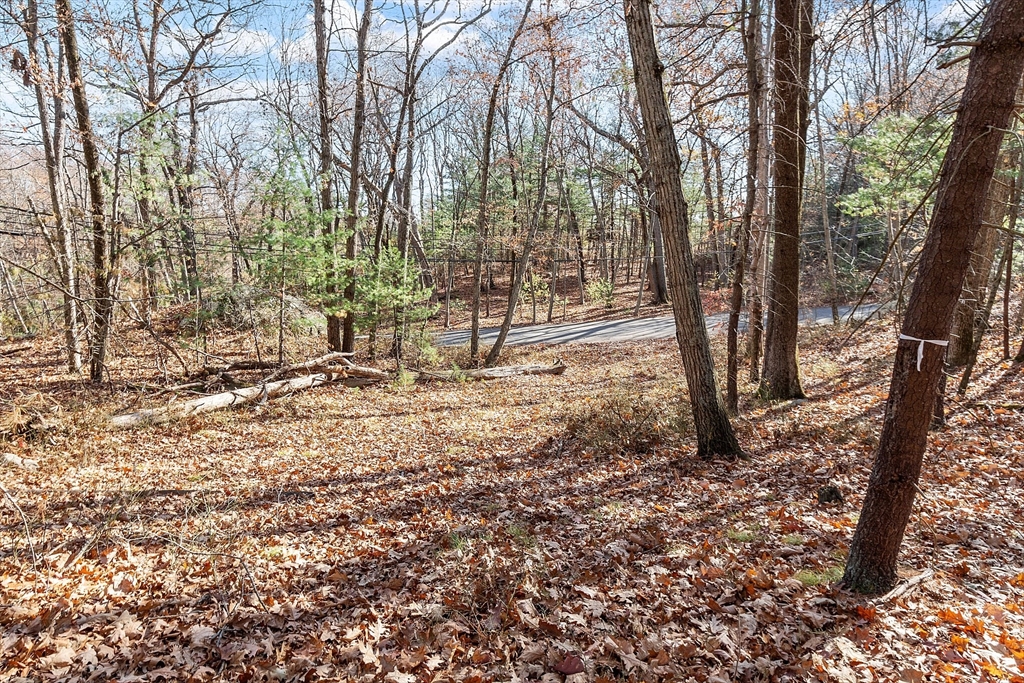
(602, 291)
(538, 289)
(624, 421)
(242, 307)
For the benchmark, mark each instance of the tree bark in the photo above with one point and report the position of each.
(830, 261)
(240, 397)
(492, 373)
(103, 306)
(183, 178)
(577, 240)
(348, 341)
(994, 73)
(759, 252)
(326, 171)
(658, 278)
(53, 144)
(781, 376)
(553, 289)
(1014, 211)
(979, 271)
(710, 240)
(751, 43)
(982, 318)
(715, 436)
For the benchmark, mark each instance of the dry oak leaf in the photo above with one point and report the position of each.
(570, 665)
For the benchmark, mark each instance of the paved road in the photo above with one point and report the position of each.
(629, 329)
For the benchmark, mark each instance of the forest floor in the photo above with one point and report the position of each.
(550, 528)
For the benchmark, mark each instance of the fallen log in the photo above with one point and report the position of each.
(321, 364)
(212, 370)
(15, 350)
(491, 373)
(349, 376)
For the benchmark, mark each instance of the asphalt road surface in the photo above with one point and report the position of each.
(629, 329)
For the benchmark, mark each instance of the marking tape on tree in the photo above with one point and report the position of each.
(920, 346)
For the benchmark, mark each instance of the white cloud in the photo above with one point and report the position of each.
(245, 42)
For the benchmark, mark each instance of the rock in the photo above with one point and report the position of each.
(23, 463)
(828, 495)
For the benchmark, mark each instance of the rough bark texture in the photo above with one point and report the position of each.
(103, 306)
(982, 318)
(781, 376)
(985, 108)
(759, 237)
(965, 319)
(714, 433)
(658, 279)
(1014, 215)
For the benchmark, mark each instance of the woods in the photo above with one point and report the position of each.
(960, 210)
(281, 288)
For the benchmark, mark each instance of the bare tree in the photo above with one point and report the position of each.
(102, 262)
(542, 186)
(348, 342)
(47, 77)
(485, 174)
(751, 48)
(715, 436)
(325, 171)
(793, 38)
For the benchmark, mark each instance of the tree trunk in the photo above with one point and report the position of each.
(553, 289)
(485, 173)
(535, 220)
(760, 235)
(348, 341)
(985, 108)
(726, 241)
(715, 436)
(573, 225)
(13, 294)
(711, 230)
(184, 185)
(326, 171)
(53, 148)
(965, 323)
(645, 237)
(781, 376)
(232, 399)
(982, 317)
(103, 306)
(659, 281)
(491, 373)
(751, 41)
(830, 261)
(1018, 183)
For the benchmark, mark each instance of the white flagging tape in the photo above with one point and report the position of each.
(920, 346)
